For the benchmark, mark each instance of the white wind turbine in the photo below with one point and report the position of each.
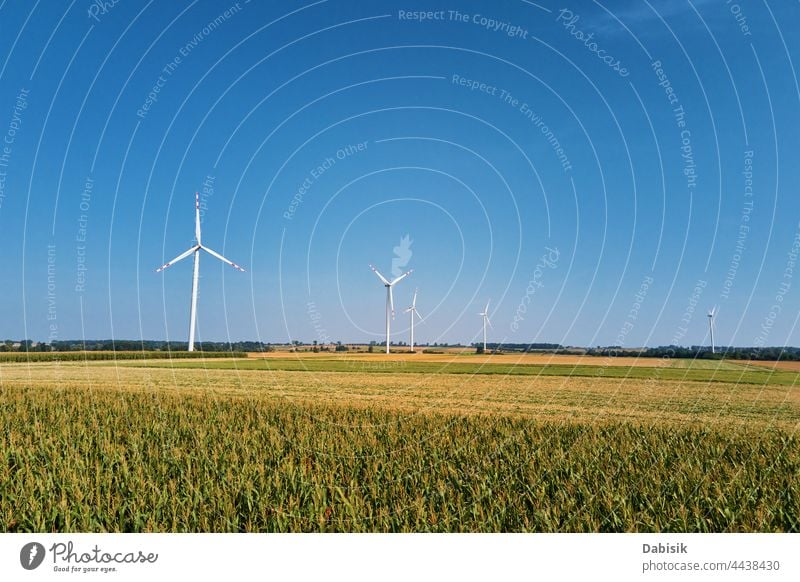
(711, 315)
(196, 251)
(413, 311)
(389, 299)
(485, 316)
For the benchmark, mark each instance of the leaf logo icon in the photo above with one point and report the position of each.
(402, 255)
(31, 555)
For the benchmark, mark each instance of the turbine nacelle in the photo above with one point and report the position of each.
(197, 248)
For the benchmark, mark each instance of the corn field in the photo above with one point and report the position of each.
(83, 459)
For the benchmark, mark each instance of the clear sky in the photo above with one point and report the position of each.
(604, 172)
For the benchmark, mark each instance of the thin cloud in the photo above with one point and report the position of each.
(637, 14)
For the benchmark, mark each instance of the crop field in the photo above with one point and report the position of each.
(399, 444)
(699, 370)
(792, 366)
(463, 355)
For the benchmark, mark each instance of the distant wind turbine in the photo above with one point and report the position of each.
(389, 299)
(196, 251)
(485, 316)
(413, 311)
(711, 315)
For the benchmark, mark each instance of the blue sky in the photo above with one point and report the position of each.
(528, 162)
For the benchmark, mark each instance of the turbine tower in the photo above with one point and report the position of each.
(485, 316)
(389, 299)
(196, 276)
(711, 315)
(413, 311)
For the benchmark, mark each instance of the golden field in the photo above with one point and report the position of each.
(212, 445)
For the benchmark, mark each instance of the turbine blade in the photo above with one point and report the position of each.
(221, 258)
(401, 277)
(487, 307)
(381, 277)
(197, 217)
(417, 313)
(414, 301)
(180, 257)
(391, 300)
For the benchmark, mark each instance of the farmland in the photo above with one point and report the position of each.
(398, 443)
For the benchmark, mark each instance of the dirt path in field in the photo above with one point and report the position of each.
(787, 366)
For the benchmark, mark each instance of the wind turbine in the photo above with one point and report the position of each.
(413, 311)
(389, 299)
(195, 277)
(485, 316)
(711, 315)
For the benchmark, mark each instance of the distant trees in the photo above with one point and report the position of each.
(496, 347)
(700, 352)
(151, 346)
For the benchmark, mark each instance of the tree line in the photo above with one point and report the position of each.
(773, 353)
(131, 346)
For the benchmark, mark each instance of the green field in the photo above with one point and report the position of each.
(254, 445)
(680, 370)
